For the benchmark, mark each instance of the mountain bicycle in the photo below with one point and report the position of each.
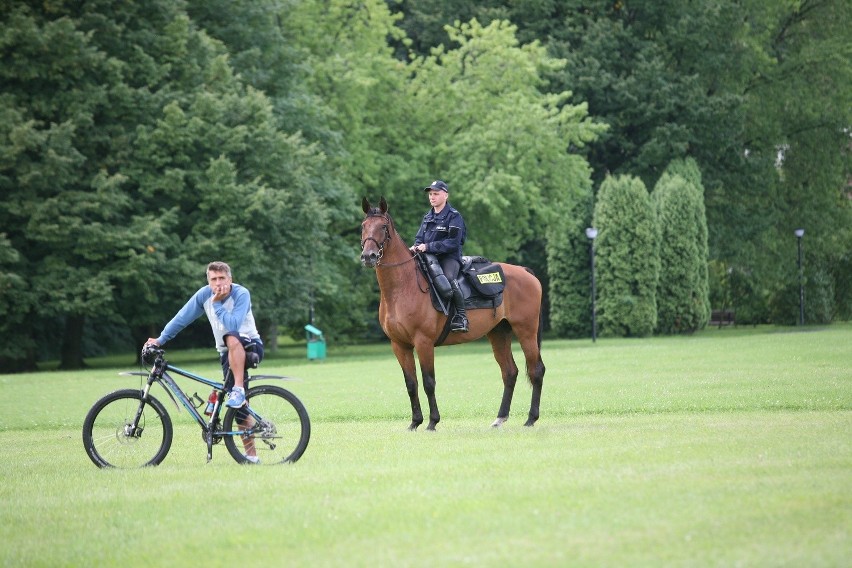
(130, 428)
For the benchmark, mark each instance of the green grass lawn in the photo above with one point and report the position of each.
(727, 448)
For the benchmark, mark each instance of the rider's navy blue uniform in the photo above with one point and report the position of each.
(443, 233)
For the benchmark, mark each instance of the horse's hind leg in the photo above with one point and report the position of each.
(501, 344)
(405, 356)
(535, 371)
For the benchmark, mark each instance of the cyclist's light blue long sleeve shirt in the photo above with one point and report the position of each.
(232, 315)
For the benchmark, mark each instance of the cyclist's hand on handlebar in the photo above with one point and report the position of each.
(150, 350)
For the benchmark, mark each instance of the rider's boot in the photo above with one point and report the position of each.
(459, 323)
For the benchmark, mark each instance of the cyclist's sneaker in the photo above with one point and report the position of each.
(253, 459)
(236, 398)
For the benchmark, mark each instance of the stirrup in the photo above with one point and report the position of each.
(459, 324)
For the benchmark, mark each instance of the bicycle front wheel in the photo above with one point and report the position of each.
(114, 438)
(275, 425)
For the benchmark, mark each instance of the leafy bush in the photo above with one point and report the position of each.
(628, 262)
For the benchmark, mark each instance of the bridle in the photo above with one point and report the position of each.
(385, 229)
(381, 245)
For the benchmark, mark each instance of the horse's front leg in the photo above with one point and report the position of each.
(405, 356)
(426, 355)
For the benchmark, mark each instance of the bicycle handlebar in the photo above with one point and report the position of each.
(150, 353)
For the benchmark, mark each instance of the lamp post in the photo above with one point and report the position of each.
(592, 233)
(799, 234)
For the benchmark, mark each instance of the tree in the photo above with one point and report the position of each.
(471, 113)
(16, 302)
(683, 304)
(628, 264)
(133, 156)
(734, 85)
(493, 135)
(240, 189)
(568, 264)
(70, 107)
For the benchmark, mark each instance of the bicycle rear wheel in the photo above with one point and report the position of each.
(110, 438)
(277, 425)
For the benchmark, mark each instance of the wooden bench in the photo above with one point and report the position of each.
(723, 317)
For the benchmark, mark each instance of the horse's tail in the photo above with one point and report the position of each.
(540, 323)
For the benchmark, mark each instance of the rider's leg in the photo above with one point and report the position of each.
(451, 268)
(460, 322)
(439, 278)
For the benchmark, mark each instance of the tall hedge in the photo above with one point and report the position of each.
(568, 267)
(682, 291)
(689, 170)
(627, 261)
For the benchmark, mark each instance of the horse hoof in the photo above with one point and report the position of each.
(413, 426)
(530, 422)
(499, 422)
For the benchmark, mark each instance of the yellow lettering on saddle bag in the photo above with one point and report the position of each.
(487, 279)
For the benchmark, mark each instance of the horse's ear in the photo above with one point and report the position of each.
(383, 205)
(365, 205)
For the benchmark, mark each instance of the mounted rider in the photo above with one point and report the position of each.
(442, 234)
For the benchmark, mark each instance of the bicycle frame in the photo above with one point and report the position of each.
(159, 373)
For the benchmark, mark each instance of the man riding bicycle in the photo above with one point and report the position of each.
(228, 307)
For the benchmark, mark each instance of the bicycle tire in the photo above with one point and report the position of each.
(284, 434)
(105, 436)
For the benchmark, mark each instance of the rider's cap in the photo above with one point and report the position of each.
(437, 185)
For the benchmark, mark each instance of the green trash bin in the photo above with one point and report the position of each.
(316, 343)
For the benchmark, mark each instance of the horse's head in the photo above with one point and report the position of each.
(375, 232)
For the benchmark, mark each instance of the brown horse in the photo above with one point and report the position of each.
(411, 322)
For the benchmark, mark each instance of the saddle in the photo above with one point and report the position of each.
(480, 280)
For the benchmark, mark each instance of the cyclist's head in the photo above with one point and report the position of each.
(218, 266)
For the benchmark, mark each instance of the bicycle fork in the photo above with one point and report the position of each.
(132, 430)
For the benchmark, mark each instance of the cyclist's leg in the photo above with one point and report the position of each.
(242, 353)
(245, 422)
(249, 353)
(236, 358)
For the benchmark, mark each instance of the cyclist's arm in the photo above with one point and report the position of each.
(233, 320)
(190, 312)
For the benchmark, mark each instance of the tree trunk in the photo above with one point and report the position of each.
(140, 335)
(72, 344)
